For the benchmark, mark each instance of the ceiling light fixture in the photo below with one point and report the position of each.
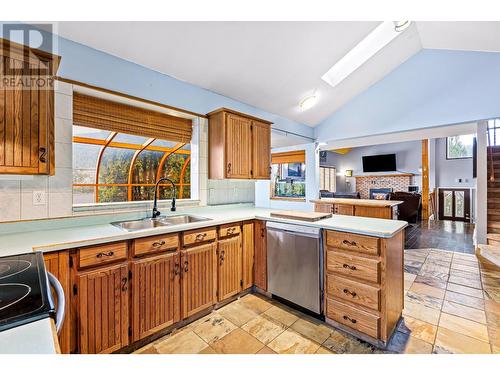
(308, 102)
(364, 50)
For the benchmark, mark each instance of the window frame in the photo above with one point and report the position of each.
(456, 158)
(147, 145)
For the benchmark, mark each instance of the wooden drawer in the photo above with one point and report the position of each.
(199, 235)
(351, 317)
(343, 209)
(229, 230)
(353, 242)
(102, 254)
(353, 291)
(353, 266)
(156, 244)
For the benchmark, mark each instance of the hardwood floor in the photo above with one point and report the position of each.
(441, 234)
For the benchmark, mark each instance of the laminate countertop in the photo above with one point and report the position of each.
(33, 338)
(60, 234)
(359, 202)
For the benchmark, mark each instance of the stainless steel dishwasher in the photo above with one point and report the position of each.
(295, 264)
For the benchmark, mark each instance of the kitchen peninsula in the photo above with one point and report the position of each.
(376, 208)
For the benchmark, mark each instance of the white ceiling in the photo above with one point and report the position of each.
(272, 65)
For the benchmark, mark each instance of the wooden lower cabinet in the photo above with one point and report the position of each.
(229, 262)
(248, 244)
(198, 278)
(103, 309)
(260, 257)
(57, 263)
(155, 294)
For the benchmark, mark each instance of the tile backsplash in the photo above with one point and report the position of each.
(230, 191)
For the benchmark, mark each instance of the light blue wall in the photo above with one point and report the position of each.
(434, 87)
(88, 65)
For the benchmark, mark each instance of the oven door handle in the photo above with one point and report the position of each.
(61, 301)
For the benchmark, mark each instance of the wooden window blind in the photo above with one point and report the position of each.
(105, 114)
(288, 157)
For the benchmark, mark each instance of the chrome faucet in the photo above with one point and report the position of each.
(157, 213)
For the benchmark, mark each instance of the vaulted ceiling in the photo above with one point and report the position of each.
(273, 65)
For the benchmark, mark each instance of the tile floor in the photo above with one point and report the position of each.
(452, 305)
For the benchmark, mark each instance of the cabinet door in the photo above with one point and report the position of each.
(248, 244)
(26, 121)
(323, 207)
(344, 209)
(260, 264)
(155, 294)
(103, 309)
(261, 150)
(238, 146)
(229, 267)
(57, 263)
(198, 278)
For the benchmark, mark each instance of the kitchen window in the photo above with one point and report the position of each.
(288, 175)
(117, 167)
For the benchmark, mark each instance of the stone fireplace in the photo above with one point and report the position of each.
(382, 183)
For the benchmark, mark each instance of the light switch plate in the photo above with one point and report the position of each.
(39, 198)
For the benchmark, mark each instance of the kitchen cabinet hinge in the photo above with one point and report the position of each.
(241, 283)
(129, 274)
(70, 262)
(75, 289)
(251, 172)
(251, 127)
(130, 331)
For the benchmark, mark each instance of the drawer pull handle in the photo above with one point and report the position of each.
(108, 254)
(350, 319)
(345, 265)
(158, 243)
(350, 243)
(231, 230)
(200, 236)
(124, 284)
(347, 291)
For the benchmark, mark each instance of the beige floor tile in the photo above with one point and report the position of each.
(463, 311)
(417, 328)
(409, 279)
(465, 262)
(431, 281)
(471, 277)
(266, 350)
(148, 349)
(421, 312)
(264, 328)
(290, 342)
(237, 342)
(464, 326)
(255, 303)
(407, 344)
(463, 299)
(208, 350)
(282, 315)
(342, 343)
(492, 307)
(237, 313)
(436, 269)
(323, 350)
(427, 290)
(185, 342)
(213, 328)
(465, 281)
(423, 299)
(448, 341)
(465, 268)
(312, 329)
(473, 292)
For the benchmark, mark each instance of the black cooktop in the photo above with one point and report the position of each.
(24, 290)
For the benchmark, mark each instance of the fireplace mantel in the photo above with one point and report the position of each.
(385, 174)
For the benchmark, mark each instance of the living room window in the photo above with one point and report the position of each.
(288, 175)
(459, 147)
(328, 179)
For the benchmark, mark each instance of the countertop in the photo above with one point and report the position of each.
(359, 202)
(85, 235)
(32, 338)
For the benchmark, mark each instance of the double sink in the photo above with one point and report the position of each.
(162, 221)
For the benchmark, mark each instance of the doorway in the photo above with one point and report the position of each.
(454, 204)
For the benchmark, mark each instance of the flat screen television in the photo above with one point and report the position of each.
(379, 163)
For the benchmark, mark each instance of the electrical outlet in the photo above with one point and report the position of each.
(39, 198)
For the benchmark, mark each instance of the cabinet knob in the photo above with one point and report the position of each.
(43, 153)
(124, 284)
(186, 266)
(228, 168)
(176, 269)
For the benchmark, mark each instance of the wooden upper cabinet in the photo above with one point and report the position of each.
(229, 267)
(155, 294)
(239, 146)
(26, 113)
(261, 150)
(103, 309)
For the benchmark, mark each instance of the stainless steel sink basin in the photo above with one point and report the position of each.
(149, 223)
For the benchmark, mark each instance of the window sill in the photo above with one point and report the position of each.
(291, 199)
(128, 206)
